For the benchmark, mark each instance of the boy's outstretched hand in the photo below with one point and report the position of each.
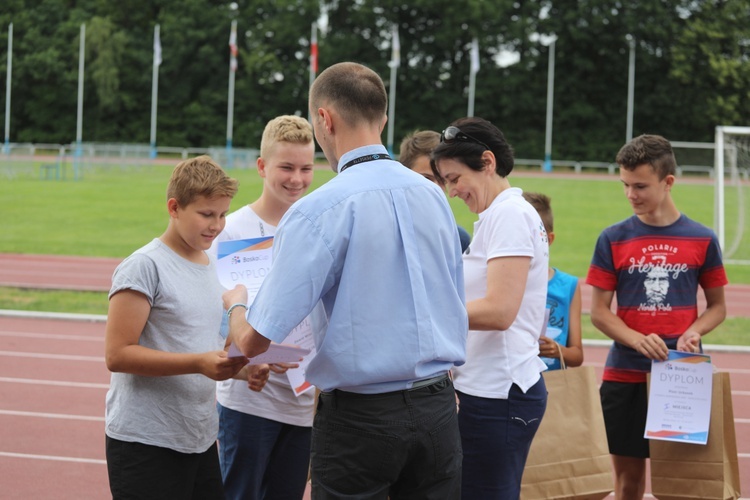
(257, 376)
(283, 367)
(237, 295)
(652, 346)
(548, 348)
(217, 366)
(689, 341)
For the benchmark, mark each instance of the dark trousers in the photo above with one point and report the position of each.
(402, 445)
(262, 458)
(496, 435)
(139, 471)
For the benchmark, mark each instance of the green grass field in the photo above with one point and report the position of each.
(111, 212)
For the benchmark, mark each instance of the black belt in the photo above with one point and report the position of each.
(433, 383)
(428, 381)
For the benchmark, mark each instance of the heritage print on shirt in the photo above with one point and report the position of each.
(656, 262)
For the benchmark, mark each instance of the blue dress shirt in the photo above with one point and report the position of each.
(378, 245)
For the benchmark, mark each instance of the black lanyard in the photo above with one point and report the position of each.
(363, 159)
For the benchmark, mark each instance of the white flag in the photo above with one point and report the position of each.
(474, 56)
(157, 46)
(395, 49)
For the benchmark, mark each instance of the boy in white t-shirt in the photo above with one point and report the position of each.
(264, 437)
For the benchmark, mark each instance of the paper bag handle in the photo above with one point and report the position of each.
(562, 359)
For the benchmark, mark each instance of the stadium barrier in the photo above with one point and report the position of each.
(58, 161)
(71, 161)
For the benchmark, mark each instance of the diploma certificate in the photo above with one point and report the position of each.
(244, 262)
(248, 262)
(679, 401)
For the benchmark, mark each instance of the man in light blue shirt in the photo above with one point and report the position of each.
(378, 245)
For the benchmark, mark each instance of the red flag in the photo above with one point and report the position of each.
(314, 49)
(233, 47)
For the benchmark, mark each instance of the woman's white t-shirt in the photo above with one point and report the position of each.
(495, 360)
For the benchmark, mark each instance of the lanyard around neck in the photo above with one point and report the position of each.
(363, 159)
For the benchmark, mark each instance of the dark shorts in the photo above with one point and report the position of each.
(140, 471)
(625, 406)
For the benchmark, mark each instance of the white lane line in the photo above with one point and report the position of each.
(51, 457)
(56, 274)
(88, 318)
(66, 357)
(739, 371)
(52, 336)
(50, 415)
(58, 383)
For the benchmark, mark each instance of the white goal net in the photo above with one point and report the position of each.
(732, 192)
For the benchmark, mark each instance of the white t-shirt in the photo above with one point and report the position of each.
(277, 400)
(495, 360)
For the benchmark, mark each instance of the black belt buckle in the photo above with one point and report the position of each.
(434, 384)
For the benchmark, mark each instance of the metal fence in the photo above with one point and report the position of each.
(69, 162)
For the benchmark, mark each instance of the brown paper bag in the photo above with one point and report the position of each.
(711, 471)
(569, 457)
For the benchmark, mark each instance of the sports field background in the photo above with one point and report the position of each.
(110, 212)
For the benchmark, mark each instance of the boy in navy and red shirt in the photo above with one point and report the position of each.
(654, 261)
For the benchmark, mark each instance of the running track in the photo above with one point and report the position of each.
(53, 382)
(95, 274)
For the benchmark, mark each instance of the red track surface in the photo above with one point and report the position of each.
(53, 382)
(95, 274)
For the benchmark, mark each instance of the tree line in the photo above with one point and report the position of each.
(692, 69)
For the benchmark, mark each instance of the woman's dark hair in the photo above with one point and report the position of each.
(468, 148)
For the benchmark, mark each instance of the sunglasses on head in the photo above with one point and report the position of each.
(453, 134)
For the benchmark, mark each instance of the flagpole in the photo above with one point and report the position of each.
(313, 61)
(155, 87)
(547, 167)
(6, 146)
(394, 64)
(631, 88)
(473, 75)
(230, 104)
(79, 119)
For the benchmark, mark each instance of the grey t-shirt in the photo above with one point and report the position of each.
(176, 412)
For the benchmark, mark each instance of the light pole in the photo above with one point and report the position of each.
(79, 116)
(473, 75)
(394, 64)
(547, 167)
(631, 87)
(155, 88)
(6, 146)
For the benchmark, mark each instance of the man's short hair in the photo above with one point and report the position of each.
(543, 206)
(285, 128)
(416, 144)
(653, 150)
(355, 91)
(199, 176)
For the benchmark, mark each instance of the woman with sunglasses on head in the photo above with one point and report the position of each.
(501, 392)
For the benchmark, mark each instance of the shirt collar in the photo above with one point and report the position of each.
(362, 151)
(503, 196)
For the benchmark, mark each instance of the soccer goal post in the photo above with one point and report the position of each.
(732, 168)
